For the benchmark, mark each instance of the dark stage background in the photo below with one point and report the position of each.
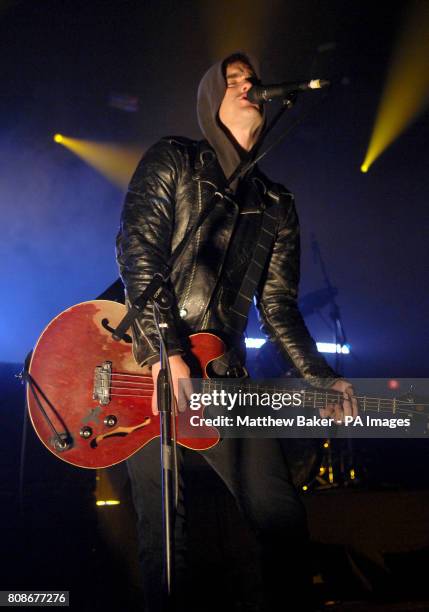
(62, 60)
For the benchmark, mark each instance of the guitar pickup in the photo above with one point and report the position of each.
(102, 383)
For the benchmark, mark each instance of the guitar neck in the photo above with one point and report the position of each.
(309, 398)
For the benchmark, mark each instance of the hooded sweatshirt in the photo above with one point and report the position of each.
(211, 91)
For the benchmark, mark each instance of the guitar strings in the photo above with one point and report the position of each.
(319, 404)
(132, 375)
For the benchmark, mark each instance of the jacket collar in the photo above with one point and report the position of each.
(207, 167)
(208, 170)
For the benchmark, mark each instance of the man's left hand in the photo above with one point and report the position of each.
(349, 405)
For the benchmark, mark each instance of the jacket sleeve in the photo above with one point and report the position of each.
(277, 301)
(143, 244)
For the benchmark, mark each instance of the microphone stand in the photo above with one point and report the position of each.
(335, 315)
(340, 340)
(162, 301)
(168, 457)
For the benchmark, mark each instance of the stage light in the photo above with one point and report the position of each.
(116, 162)
(322, 347)
(406, 91)
(393, 384)
(352, 474)
(331, 347)
(254, 342)
(305, 488)
(105, 495)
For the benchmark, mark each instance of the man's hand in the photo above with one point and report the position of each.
(349, 406)
(179, 369)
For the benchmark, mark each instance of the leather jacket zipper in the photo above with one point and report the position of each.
(194, 266)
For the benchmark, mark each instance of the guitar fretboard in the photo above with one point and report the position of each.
(313, 398)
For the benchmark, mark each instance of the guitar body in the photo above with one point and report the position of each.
(87, 388)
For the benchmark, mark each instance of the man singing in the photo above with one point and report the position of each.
(173, 183)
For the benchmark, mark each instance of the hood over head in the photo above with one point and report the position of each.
(211, 91)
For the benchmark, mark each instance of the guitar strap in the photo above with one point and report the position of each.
(230, 362)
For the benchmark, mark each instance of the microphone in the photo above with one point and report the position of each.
(259, 94)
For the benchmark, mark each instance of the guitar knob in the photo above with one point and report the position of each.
(110, 420)
(85, 432)
(62, 443)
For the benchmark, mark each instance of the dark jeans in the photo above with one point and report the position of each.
(256, 473)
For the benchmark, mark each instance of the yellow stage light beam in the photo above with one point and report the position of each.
(406, 91)
(116, 162)
(238, 25)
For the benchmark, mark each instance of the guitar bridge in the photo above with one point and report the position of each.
(102, 381)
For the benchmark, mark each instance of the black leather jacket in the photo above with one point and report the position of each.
(172, 184)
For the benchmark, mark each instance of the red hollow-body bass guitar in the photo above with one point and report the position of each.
(88, 399)
(90, 402)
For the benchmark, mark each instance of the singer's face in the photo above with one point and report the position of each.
(235, 109)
